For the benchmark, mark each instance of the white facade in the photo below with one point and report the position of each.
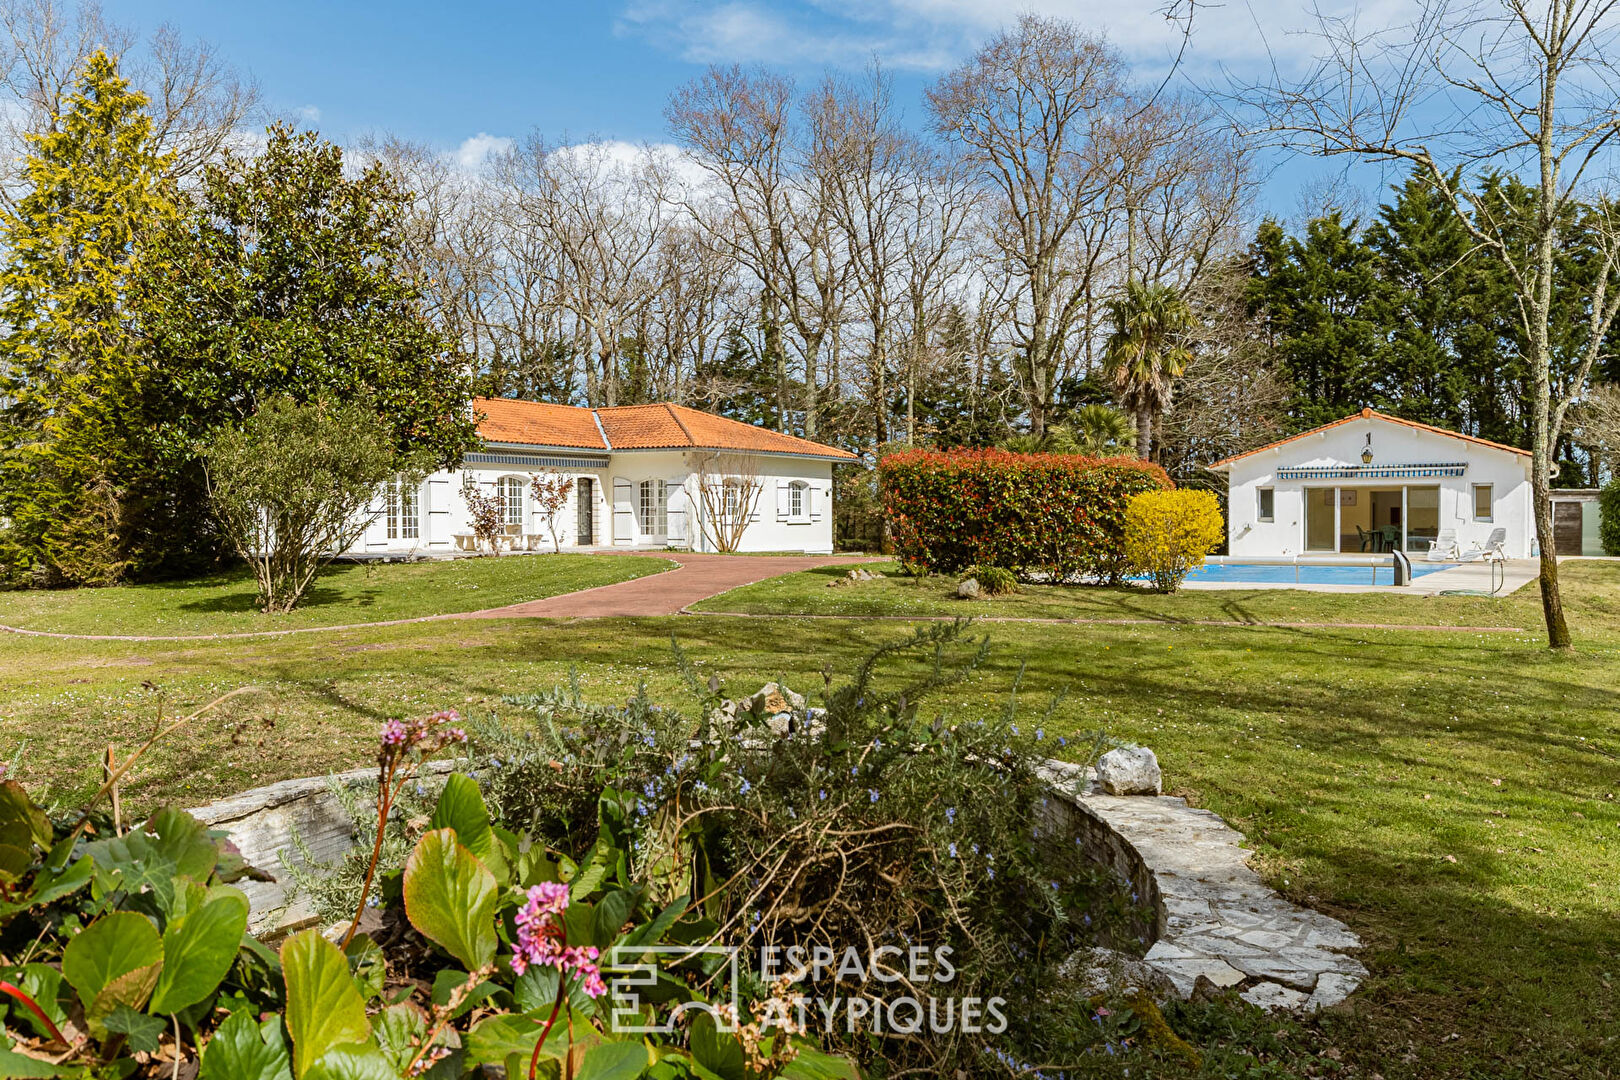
(1315, 493)
(629, 499)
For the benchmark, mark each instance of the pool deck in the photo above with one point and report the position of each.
(1472, 577)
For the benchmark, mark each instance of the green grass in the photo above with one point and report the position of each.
(812, 593)
(1360, 763)
(343, 593)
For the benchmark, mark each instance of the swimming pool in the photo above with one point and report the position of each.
(1285, 573)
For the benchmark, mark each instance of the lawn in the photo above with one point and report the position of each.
(344, 593)
(1454, 796)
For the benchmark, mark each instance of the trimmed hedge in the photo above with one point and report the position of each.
(1609, 517)
(1058, 514)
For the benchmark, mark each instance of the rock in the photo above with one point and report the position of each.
(777, 704)
(1105, 971)
(861, 573)
(1129, 770)
(1331, 989)
(968, 589)
(1272, 997)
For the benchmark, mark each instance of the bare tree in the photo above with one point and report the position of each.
(1595, 420)
(197, 102)
(1033, 109)
(729, 487)
(1465, 88)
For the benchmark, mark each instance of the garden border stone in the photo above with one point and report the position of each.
(1212, 915)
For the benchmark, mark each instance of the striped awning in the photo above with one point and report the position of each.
(1371, 472)
(538, 461)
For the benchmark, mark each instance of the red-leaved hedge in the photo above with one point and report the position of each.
(1054, 513)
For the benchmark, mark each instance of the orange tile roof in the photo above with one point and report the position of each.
(635, 427)
(1369, 414)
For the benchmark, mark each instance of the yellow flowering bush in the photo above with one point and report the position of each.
(1168, 533)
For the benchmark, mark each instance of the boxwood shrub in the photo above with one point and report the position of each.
(1056, 514)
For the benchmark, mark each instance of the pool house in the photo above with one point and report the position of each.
(1375, 484)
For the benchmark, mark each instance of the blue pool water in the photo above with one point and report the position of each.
(1308, 575)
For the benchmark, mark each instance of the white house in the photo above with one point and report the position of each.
(649, 476)
(1371, 483)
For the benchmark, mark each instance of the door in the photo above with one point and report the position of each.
(624, 511)
(1566, 528)
(438, 512)
(585, 512)
(654, 507)
(1321, 519)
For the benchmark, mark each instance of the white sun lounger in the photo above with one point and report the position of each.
(1491, 549)
(1444, 547)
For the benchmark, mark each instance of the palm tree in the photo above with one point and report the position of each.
(1101, 430)
(1146, 352)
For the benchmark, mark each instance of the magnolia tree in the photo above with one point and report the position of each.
(551, 490)
(729, 486)
(295, 485)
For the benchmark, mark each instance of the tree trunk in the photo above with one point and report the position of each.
(1144, 433)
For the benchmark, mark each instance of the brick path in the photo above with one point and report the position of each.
(697, 578)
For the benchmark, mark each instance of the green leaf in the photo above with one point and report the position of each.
(49, 886)
(198, 950)
(614, 1061)
(242, 1049)
(144, 1033)
(14, 861)
(612, 912)
(716, 1050)
(22, 824)
(450, 898)
(650, 933)
(324, 1010)
(813, 1064)
(108, 952)
(15, 1066)
(352, 1063)
(172, 844)
(397, 1030)
(461, 807)
(43, 983)
(367, 964)
(449, 980)
(503, 1034)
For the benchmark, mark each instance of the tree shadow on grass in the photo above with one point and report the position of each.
(247, 601)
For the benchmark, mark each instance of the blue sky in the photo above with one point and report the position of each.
(444, 73)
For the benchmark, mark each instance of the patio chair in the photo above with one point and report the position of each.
(1369, 540)
(1490, 549)
(1392, 537)
(1444, 547)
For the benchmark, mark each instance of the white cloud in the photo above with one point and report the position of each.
(474, 151)
(929, 35)
(309, 114)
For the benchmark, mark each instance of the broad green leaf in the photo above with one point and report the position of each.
(397, 1030)
(243, 1049)
(612, 912)
(614, 1061)
(22, 824)
(324, 1010)
(368, 965)
(49, 886)
(172, 844)
(130, 989)
(198, 950)
(14, 861)
(650, 933)
(144, 1033)
(184, 841)
(109, 949)
(461, 807)
(497, 1036)
(352, 1063)
(43, 983)
(15, 1066)
(450, 898)
(449, 980)
(716, 1050)
(813, 1064)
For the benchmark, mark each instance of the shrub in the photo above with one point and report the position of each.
(1609, 517)
(1053, 514)
(294, 486)
(993, 580)
(1168, 533)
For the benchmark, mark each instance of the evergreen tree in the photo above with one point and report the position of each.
(288, 277)
(1147, 352)
(74, 478)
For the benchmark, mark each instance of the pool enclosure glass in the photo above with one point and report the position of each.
(1355, 520)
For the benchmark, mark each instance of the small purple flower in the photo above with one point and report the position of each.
(872, 792)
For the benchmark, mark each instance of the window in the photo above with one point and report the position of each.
(404, 520)
(511, 492)
(731, 500)
(655, 507)
(1268, 504)
(798, 501)
(1482, 502)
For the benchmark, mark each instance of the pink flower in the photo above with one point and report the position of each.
(541, 939)
(393, 733)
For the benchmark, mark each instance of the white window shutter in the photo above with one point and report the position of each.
(677, 511)
(624, 510)
(782, 505)
(812, 505)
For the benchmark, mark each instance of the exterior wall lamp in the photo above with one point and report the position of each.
(1366, 451)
